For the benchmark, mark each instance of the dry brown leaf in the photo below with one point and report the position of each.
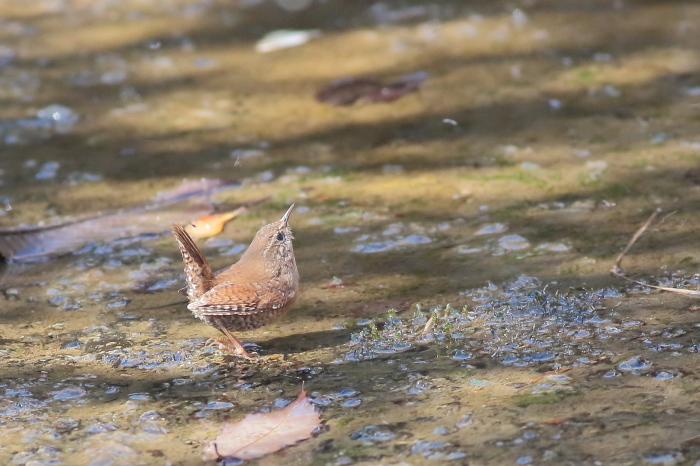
(211, 225)
(260, 434)
(555, 422)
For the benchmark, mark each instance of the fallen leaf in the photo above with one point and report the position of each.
(211, 225)
(260, 434)
(347, 91)
(398, 88)
(28, 244)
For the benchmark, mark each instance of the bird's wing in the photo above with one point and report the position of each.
(233, 299)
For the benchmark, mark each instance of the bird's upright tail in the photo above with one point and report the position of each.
(197, 269)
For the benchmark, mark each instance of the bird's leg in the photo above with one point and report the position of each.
(237, 345)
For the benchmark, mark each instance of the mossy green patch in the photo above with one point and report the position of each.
(518, 176)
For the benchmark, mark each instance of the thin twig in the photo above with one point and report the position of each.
(642, 229)
(617, 271)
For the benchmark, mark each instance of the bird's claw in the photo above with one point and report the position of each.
(225, 344)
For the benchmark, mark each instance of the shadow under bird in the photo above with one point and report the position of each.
(249, 294)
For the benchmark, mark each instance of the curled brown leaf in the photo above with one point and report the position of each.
(260, 434)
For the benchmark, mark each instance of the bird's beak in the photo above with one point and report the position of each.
(285, 217)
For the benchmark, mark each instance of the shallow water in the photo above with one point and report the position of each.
(544, 135)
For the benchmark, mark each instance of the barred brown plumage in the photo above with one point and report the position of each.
(249, 294)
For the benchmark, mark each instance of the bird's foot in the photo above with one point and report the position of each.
(225, 344)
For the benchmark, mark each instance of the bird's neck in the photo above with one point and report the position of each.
(285, 271)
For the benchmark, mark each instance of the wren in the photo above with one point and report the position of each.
(249, 294)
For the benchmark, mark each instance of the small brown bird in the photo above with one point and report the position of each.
(251, 293)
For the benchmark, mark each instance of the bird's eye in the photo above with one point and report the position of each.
(280, 237)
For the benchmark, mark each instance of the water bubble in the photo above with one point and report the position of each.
(524, 460)
(393, 229)
(47, 171)
(399, 347)
(665, 458)
(112, 390)
(479, 383)
(543, 356)
(17, 392)
(280, 403)
(510, 359)
(555, 104)
(491, 228)
(635, 363)
(21, 407)
(553, 247)
(426, 447)
(461, 355)
(370, 434)
(379, 246)
(69, 393)
(118, 304)
(63, 118)
(164, 284)
(513, 242)
(345, 393)
(415, 239)
(343, 230)
(352, 402)
(321, 401)
(466, 250)
(182, 381)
